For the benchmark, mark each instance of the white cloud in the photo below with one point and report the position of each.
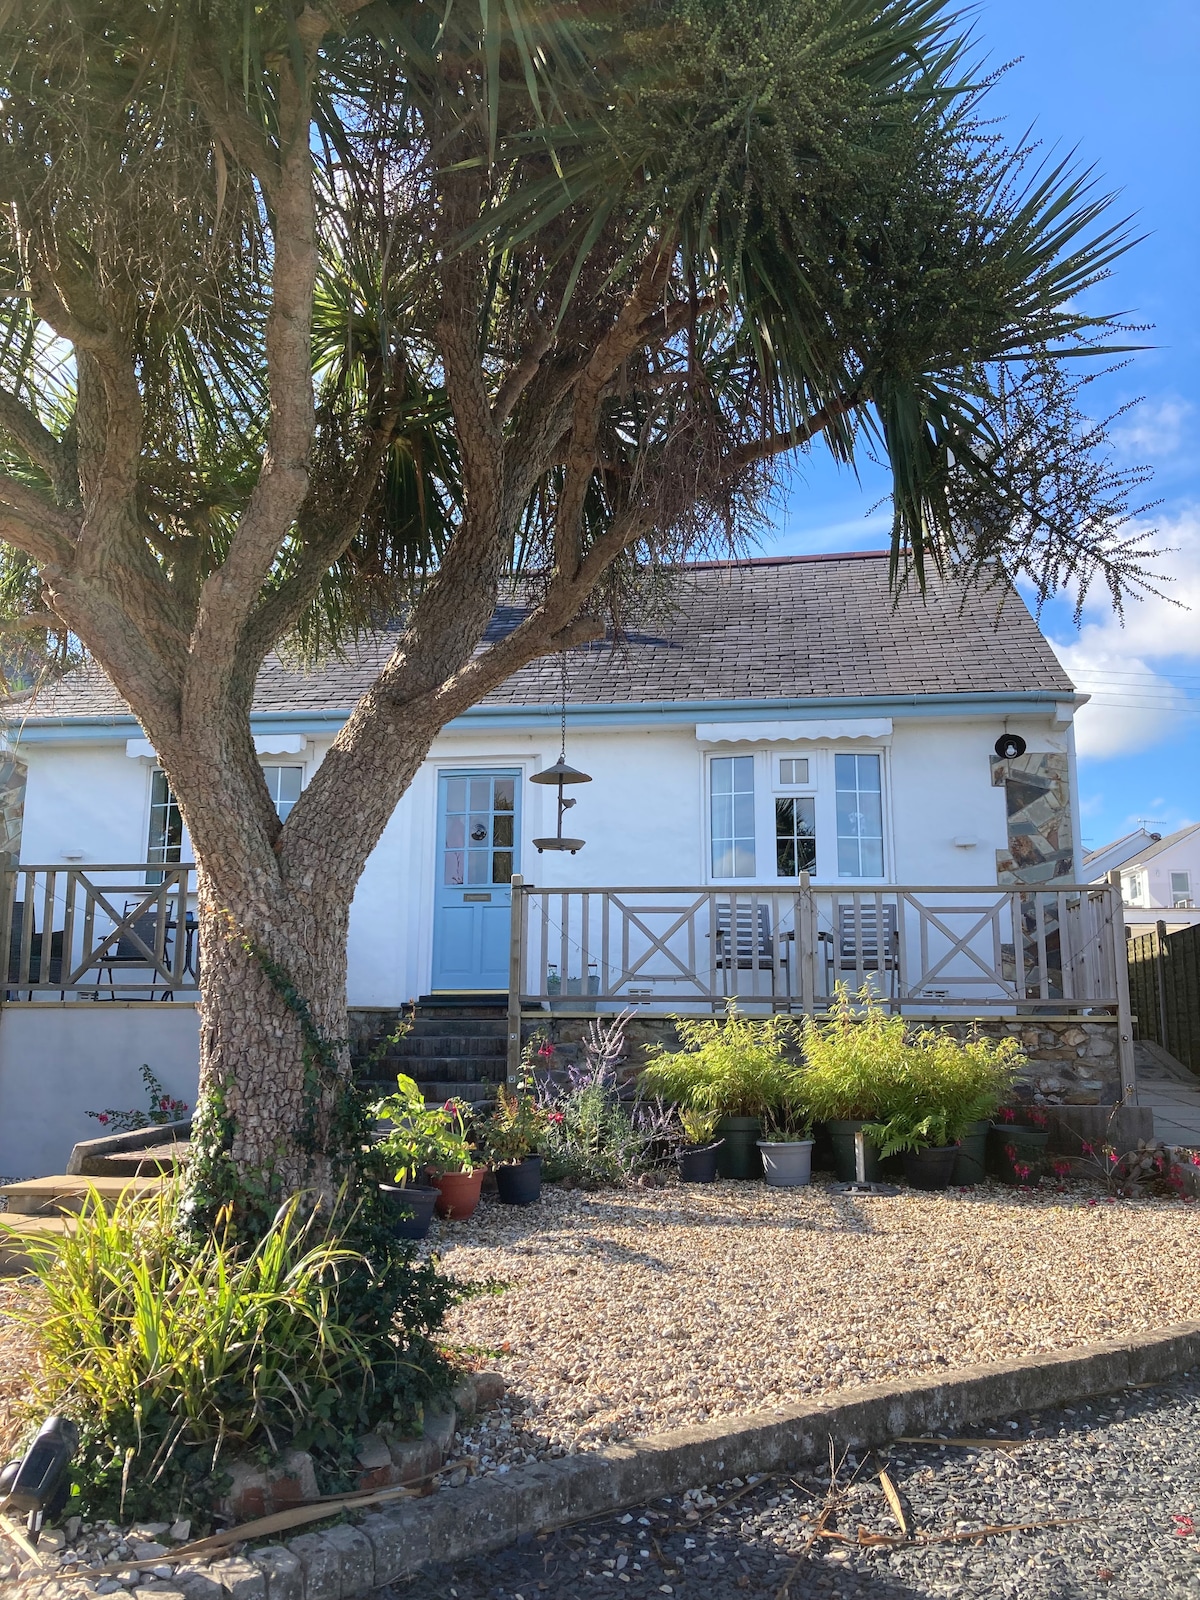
(1155, 429)
(1124, 667)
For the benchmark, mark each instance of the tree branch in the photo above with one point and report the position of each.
(54, 531)
(34, 440)
(779, 443)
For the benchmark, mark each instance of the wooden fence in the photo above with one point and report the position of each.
(1164, 990)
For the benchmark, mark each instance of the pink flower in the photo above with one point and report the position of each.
(546, 1051)
(103, 1117)
(165, 1102)
(1184, 1527)
(1093, 1201)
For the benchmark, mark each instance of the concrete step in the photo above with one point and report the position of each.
(14, 1257)
(50, 1197)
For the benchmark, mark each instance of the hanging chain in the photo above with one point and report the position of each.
(563, 662)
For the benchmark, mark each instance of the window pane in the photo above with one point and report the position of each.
(456, 832)
(731, 816)
(795, 836)
(502, 831)
(502, 866)
(793, 770)
(505, 788)
(478, 829)
(481, 794)
(859, 812)
(456, 794)
(453, 870)
(478, 865)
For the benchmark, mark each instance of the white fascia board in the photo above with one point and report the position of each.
(794, 732)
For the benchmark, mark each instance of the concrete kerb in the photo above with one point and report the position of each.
(492, 1512)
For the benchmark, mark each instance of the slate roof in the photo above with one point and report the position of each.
(1168, 842)
(777, 628)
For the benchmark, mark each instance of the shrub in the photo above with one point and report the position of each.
(422, 1136)
(912, 1088)
(515, 1129)
(163, 1108)
(738, 1067)
(171, 1361)
(591, 1134)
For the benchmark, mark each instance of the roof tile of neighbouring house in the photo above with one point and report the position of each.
(1167, 842)
(778, 628)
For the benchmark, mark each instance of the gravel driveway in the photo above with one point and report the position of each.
(1128, 1467)
(632, 1312)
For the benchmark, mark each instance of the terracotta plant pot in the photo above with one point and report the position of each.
(458, 1193)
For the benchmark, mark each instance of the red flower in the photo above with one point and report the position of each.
(1184, 1527)
(546, 1050)
(103, 1117)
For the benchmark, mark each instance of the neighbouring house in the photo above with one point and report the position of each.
(1160, 876)
(796, 779)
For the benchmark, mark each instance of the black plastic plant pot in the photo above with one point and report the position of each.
(520, 1183)
(739, 1154)
(699, 1165)
(411, 1209)
(931, 1168)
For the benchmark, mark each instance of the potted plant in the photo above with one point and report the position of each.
(946, 1089)
(408, 1147)
(512, 1136)
(738, 1068)
(697, 1161)
(1016, 1143)
(787, 1144)
(852, 1058)
(452, 1164)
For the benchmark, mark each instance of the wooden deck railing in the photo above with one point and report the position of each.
(99, 932)
(1011, 950)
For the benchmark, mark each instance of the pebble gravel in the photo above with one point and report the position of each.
(1123, 1472)
(631, 1312)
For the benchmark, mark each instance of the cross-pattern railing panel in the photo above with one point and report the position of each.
(1011, 947)
(104, 931)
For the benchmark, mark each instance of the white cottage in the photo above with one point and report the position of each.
(791, 771)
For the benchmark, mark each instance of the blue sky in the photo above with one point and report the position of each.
(1117, 82)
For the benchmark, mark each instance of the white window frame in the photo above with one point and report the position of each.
(279, 764)
(1181, 898)
(820, 787)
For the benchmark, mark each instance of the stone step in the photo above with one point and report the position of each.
(437, 1094)
(449, 1044)
(448, 1069)
(154, 1159)
(14, 1257)
(462, 1005)
(52, 1196)
(457, 1027)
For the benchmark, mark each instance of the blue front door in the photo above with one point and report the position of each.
(478, 839)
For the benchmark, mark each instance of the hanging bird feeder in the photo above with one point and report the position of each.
(560, 774)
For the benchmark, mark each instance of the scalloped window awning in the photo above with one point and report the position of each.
(792, 732)
(266, 744)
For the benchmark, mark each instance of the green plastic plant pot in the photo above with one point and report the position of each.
(842, 1135)
(738, 1157)
(971, 1164)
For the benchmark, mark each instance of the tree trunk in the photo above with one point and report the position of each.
(274, 1114)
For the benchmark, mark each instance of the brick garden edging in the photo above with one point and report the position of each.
(488, 1514)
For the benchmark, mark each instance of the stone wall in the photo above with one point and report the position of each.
(12, 809)
(1072, 1060)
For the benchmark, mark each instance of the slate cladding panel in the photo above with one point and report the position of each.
(778, 628)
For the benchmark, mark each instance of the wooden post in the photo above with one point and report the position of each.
(1121, 975)
(805, 953)
(1160, 981)
(516, 941)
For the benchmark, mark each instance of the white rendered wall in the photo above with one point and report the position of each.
(643, 817)
(60, 1061)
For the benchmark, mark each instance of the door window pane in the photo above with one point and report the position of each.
(859, 809)
(479, 839)
(283, 785)
(795, 836)
(731, 780)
